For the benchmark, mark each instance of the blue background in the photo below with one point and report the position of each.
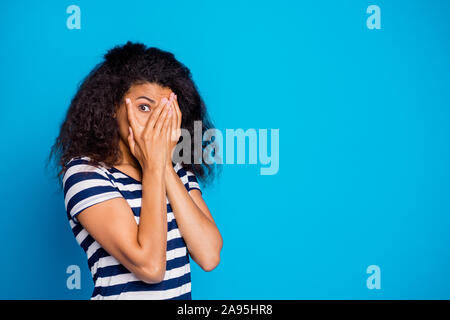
(364, 141)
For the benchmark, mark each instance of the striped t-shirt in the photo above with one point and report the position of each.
(86, 185)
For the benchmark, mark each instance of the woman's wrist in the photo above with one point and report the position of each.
(169, 168)
(152, 170)
(169, 172)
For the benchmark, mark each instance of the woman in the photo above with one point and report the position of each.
(136, 214)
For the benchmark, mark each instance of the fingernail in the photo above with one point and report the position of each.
(164, 100)
(127, 100)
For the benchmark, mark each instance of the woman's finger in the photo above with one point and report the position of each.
(178, 111)
(173, 121)
(155, 113)
(130, 114)
(169, 128)
(165, 130)
(131, 141)
(162, 119)
(177, 128)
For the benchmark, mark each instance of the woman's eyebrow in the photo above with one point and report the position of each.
(144, 97)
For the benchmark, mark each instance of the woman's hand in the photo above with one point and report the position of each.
(149, 144)
(175, 128)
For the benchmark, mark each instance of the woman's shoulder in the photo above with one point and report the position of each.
(85, 183)
(84, 163)
(83, 167)
(78, 160)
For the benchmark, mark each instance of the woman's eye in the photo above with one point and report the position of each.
(144, 107)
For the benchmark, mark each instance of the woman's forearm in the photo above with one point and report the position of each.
(200, 233)
(152, 229)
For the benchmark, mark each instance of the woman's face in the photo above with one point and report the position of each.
(143, 98)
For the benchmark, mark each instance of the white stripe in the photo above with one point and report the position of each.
(192, 184)
(175, 253)
(114, 280)
(85, 184)
(81, 235)
(119, 175)
(104, 262)
(184, 178)
(177, 272)
(129, 187)
(173, 234)
(149, 295)
(92, 248)
(135, 203)
(129, 277)
(177, 166)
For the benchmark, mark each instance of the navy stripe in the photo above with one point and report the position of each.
(99, 253)
(110, 271)
(125, 177)
(177, 262)
(195, 188)
(87, 242)
(181, 172)
(130, 195)
(172, 225)
(124, 181)
(77, 228)
(136, 211)
(175, 243)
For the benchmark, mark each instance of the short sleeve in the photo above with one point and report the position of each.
(86, 185)
(188, 178)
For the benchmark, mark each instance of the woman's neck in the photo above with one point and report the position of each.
(128, 163)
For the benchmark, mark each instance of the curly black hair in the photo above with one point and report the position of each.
(90, 128)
